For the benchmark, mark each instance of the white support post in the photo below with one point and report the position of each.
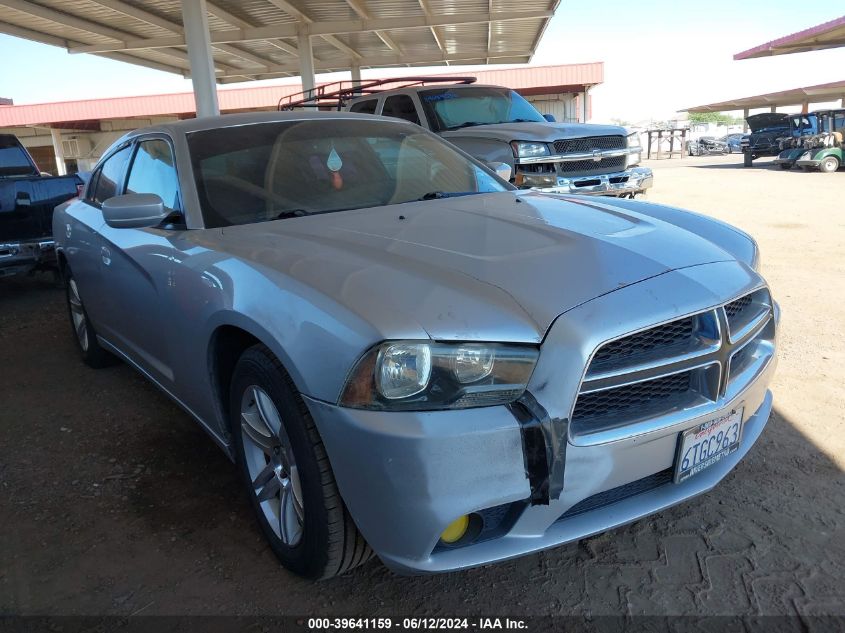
(805, 107)
(198, 41)
(773, 109)
(61, 168)
(745, 120)
(306, 62)
(355, 73)
(585, 108)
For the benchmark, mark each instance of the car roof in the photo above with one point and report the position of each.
(188, 126)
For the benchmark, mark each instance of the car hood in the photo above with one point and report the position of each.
(767, 120)
(542, 132)
(453, 265)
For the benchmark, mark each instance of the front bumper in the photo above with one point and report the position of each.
(405, 476)
(21, 257)
(808, 162)
(635, 180)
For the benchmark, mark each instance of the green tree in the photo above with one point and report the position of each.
(714, 117)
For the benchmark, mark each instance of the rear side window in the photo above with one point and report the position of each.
(401, 107)
(13, 159)
(365, 107)
(109, 176)
(154, 171)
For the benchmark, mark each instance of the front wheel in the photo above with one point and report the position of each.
(287, 473)
(829, 165)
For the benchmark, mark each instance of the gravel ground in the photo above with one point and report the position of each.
(112, 501)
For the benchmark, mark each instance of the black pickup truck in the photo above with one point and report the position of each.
(27, 200)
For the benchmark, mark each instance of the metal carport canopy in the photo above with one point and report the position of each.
(796, 96)
(227, 41)
(827, 35)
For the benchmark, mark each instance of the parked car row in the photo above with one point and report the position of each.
(404, 353)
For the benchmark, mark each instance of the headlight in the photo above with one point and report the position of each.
(419, 376)
(529, 150)
(634, 140)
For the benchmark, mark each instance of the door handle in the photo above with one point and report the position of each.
(106, 255)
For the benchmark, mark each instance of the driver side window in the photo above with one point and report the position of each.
(154, 171)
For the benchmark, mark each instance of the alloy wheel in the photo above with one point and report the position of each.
(271, 465)
(77, 313)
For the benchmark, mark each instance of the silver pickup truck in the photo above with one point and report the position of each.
(497, 125)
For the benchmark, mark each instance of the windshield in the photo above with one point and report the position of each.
(452, 108)
(14, 160)
(269, 171)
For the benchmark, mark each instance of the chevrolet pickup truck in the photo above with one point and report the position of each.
(27, 200)
(497, 126)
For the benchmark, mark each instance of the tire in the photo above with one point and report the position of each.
(747, 159)
(829, 165)
(83, 330)
(301, 513)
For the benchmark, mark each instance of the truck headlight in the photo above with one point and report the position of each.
(634, 140)
(529, 150)
(423, 375)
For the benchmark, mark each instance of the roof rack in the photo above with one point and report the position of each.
(335, 95)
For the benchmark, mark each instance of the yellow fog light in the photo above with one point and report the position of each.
(455, 531)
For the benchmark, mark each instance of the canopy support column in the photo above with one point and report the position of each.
(306, 62)
(745, 120)
(61, 168)
(198, 41)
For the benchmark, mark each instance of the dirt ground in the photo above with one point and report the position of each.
(112, 501)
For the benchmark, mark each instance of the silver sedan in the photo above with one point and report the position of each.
(404, 354)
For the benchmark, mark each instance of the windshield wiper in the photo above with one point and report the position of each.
(465, 124)
(436, 195)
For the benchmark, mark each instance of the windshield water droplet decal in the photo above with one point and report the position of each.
(334, 163)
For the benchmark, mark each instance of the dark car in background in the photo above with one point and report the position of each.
(769, 130)
(27, 200)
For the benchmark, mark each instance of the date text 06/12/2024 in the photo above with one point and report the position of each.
(411, 624)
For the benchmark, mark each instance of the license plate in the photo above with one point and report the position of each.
(707, 444)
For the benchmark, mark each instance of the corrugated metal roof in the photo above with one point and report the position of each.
(527, 80)
(257, 39)
(796, 96)
(827, 35)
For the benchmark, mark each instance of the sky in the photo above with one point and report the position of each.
(660, 56)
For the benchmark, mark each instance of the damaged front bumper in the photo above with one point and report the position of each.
(21, 257)
(406, 476)
(636, 180)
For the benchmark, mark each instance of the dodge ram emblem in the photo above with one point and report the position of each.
(596, 155)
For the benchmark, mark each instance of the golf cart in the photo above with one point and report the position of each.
(826, 150)
(792, 147)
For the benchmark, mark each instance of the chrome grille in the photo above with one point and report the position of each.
(590, 167)
(675, 366)
(588, 144)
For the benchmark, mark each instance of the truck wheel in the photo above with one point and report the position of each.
(84, 333)
(287, 473)
(829, 165)
(746, 159)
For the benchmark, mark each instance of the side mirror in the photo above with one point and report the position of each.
(503, 170)
(550, 118)
(134, 211)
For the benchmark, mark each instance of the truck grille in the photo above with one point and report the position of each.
(575, 145)
(675, 366)
(590, 167)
